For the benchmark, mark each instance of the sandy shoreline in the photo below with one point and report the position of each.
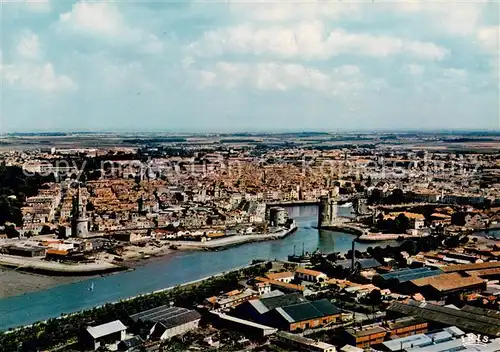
(17, 282)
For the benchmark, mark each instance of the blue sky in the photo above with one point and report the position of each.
(249, 65)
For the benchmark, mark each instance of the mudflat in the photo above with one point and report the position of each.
(15, 282)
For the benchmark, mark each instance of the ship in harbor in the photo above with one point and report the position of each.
(304, 258)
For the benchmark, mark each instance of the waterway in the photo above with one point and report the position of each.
(174, 269)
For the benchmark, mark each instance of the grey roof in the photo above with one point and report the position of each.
(158, 314)
(406, 275)
(281, 301)
(441, 336)
(106, 329)
(456, 345)
(454, 331)
(132, 342)
(325, 307)
(273, 293)
(244, 322)
(183, 317)
(366, 263)
(307, 310)
(404, 342)
(468, 321)
(482, 311)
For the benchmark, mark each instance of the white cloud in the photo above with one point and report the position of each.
(104, 20)
(489, 38)
(36, 77)
(452, 17)
(95, 17)
(455, 74)
(29, 46)
(282, 77)
(308, 40)
(414, 70)
(289, 10)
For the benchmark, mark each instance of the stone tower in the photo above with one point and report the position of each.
(80, 222)
(327, 212)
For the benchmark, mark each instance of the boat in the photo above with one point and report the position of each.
(346, 205)
(91, 288)
(304, 258)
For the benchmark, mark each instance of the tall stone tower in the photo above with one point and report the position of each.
(327, 212)
(80, 222)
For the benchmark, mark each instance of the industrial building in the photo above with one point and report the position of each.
(102, 335)
(289, 312)
(395, 279)
(463, 268)
(441, 286)
(26, 251)
(477, 320)
(362, 263)
(375, 334)
(445, 340)
(246, 327)
(169, 321)
(365, 337)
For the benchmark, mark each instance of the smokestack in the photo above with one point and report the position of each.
(353, 256)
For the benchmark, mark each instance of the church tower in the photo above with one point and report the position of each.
(80, 222)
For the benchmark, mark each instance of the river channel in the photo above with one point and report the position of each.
(171, 270)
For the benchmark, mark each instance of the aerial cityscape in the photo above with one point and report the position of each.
(268, 176)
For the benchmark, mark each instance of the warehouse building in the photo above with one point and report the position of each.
(463, 268)
(395, 279)
(477, 320)
(446, 340)
(365, 337)
(26, 251)
(169, 321)
(289, 312)
(441, 286)
(246, 327)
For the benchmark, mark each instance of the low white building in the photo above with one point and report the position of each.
(102, 335)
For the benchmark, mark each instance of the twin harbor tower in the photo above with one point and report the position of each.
(327, 212)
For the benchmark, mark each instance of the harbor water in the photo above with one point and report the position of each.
(171, 270)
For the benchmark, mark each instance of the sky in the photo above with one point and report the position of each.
(251, 65)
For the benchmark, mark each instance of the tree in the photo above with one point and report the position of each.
(45, 230)
(410, 247)
(458, 218)
(402, 223)
(375, 297)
